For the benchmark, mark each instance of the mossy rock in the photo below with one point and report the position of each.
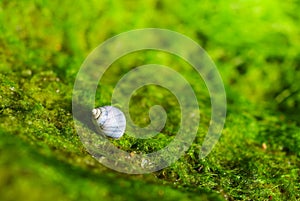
(256, 48)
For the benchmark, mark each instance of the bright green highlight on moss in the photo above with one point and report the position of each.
(256, 48)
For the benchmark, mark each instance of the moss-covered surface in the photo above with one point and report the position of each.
(256, 47)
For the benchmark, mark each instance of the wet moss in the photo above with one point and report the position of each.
(256, 48)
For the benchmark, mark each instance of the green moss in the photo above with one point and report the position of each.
(40, 176)
(256, 48)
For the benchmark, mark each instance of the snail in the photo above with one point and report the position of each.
(110, 121)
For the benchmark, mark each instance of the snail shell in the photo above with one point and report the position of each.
(111, 121)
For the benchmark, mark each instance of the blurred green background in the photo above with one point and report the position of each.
(256, 47)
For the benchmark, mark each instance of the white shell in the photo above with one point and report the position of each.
(111, 121)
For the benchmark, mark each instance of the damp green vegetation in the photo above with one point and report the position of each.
(256, 47)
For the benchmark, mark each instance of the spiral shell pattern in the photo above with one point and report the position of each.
(110, 121)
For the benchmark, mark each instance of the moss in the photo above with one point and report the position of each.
(256, 48)
(40, 176)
